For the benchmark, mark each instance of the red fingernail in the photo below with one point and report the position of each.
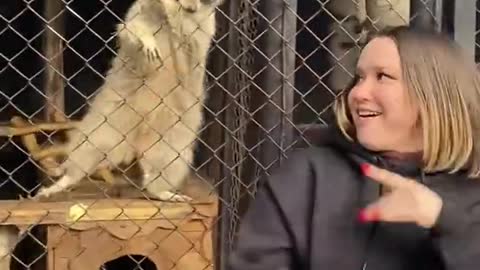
(365, 167)
(363, 216)
(367, 216)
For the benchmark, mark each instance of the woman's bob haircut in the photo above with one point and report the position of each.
(445, 85)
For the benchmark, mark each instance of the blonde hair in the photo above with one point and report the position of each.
(445, 84)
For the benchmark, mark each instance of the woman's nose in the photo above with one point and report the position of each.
(362, 90)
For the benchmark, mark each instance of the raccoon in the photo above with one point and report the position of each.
(149, 107)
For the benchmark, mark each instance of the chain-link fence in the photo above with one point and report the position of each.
(153, 141)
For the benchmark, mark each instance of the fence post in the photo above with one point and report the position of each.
(275, 80)
(236, 118)
(259, 93)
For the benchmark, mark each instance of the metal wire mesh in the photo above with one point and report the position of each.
(273, 71)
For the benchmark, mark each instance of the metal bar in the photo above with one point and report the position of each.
(288, 69)
(53, 84)
(228, 207)
(214, 135)
(53, 51)
(464, 25)
(439, 15)
(422, 14)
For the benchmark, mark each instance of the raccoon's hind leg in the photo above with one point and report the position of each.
(81, 162)
(164, 172)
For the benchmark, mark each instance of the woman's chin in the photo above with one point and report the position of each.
(370, 143)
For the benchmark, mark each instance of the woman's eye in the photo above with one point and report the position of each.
(382, 75)
(358, 78)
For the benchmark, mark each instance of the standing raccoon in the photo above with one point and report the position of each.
(150, 105)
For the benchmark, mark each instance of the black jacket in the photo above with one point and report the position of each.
(304, 217)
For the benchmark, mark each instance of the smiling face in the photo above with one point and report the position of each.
(384, 116)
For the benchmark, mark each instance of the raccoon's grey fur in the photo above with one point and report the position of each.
(150, 105)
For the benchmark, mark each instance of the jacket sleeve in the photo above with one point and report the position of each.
(457, 232)
(266, 239)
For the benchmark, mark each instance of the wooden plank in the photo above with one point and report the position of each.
(28, 212)
(10, 131)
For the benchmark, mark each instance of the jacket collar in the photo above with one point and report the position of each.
(332, 136)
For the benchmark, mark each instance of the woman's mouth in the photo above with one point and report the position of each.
(368, 113)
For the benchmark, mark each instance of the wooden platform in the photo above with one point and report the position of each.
(87, 203)
(84, 231)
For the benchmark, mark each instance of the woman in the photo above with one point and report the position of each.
(394, 184)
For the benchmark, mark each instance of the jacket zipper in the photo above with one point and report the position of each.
(375, 226)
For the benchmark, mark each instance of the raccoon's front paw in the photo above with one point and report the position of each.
(190, 5)
(151, 50)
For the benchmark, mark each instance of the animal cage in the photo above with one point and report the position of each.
(274, 69)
